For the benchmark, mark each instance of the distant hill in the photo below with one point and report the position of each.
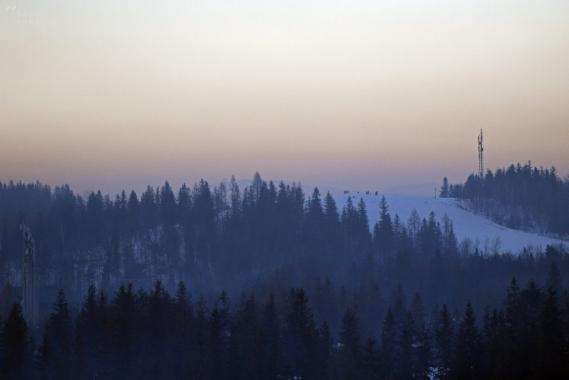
(520, 196)
(467, 225)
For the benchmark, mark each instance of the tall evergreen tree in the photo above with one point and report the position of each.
(271, 331)
(422, 340)
(350, 340)
(383, 231)
(404, 363)
(444, 338)
(444, 193)
(15, 349)
(467, 348)
(389, 344)
(300, 341)
(59, 340)
(168, 206)
(89, 342)
(554, 356)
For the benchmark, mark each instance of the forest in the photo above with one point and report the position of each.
(520, 197)
(269, 283)
(153, 335)
(224, 239)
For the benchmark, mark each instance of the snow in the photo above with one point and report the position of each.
(489, 236)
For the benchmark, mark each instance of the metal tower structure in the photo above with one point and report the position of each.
(481, 155)
(30, 291)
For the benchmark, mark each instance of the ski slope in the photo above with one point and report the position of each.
(487, 235)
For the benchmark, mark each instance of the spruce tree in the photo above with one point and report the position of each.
(444, 338)
(181, 320)
(466, 363)
(124, 321)
(300, 342)
(89, 330)
(554, 357)
(383, 231)
(389, 344)
(444, 193)
(404, 363)
(350, 340)
(59, 338)
(271, 331)
(15, 346)
(422, 340)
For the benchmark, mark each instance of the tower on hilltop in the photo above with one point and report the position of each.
(481, 155)
(30, 291)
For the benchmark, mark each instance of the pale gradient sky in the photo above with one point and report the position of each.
(113, 94)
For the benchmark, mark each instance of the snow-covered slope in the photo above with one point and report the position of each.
(480, 230)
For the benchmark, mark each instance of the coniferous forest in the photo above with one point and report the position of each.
(269, 283)
(155, 335)
(520, 196)
(129, 252)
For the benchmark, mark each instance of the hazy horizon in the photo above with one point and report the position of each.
(357, 94)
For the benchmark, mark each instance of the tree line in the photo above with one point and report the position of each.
(520, 196)
(265, 237)
(379, 295)
(153, 335)
(220, 238)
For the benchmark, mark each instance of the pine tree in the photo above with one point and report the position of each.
(271, 331)
(494, 363)
(383, 231)
(256, 186)
(526, 332)
(181, 320)
(218, 333)
(88, 335)
(148, 208)
(414, 225)
(444, 193)
(554, 357)
(199, 356)
(332, 230)
(314, 238)
(389, 344)
(246, 345)
(158, 330)
(404, 363)
(422, 340)
(123, 324)
(300, 336)
(59, 337)
(350, 340)
(133, 211)
(444, 337)
(449, 240)
(467, 349)
(15, 346)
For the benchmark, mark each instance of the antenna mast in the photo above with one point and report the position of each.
(480, 155)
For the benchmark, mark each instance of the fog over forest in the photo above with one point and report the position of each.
(398, 298)
(284, 190)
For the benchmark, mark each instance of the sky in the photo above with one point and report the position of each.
(349, 94)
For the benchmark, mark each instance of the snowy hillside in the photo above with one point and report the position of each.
(480, 230)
